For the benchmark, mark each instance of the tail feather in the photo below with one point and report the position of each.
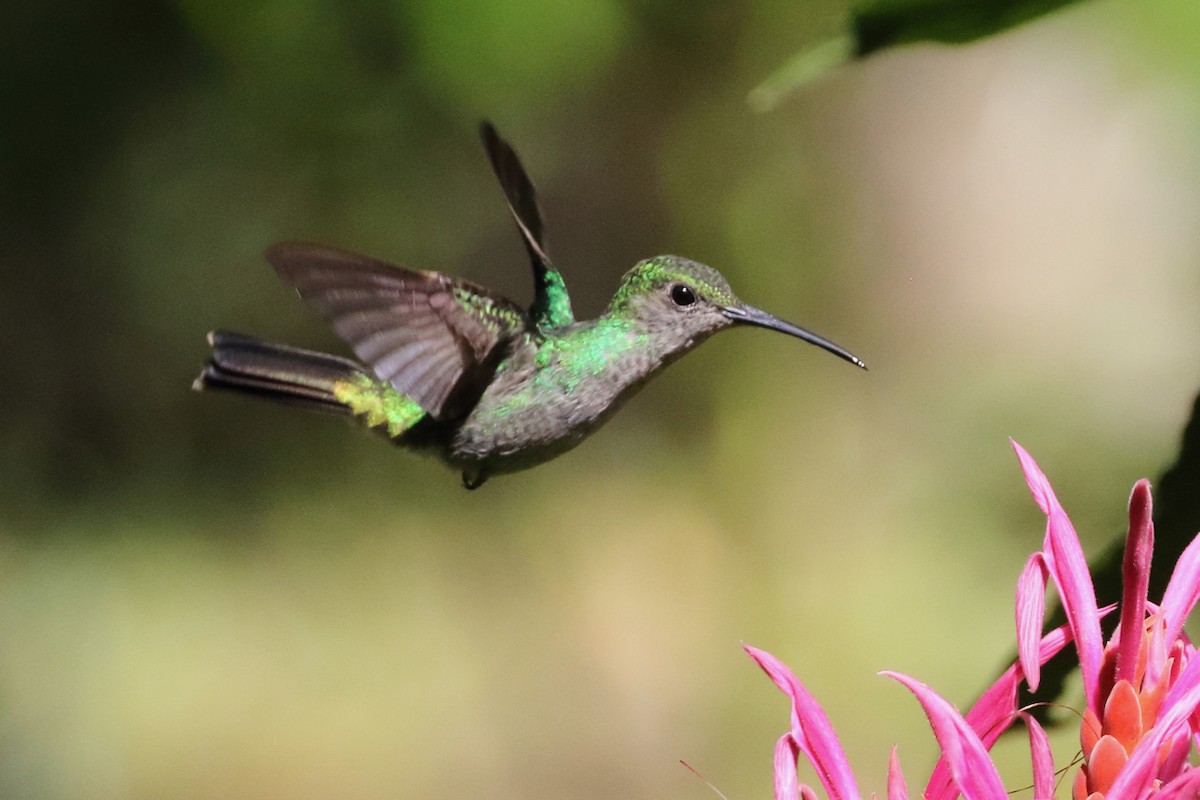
(287, 374)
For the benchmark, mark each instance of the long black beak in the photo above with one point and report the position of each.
(752, 316)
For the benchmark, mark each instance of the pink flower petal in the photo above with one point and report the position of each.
(970, 764)
(1030, 612)
(995, 710)
(1135, 581)
(896, 787)
(787, 782)
(1043, 759)
(813, 732)
(1070, 571)
(1068, 567)
(1156, 658)
(1174, 760)
(1182, 591)
(1039, 486)
(1185, 787)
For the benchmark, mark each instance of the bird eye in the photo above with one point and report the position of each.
(682, 295)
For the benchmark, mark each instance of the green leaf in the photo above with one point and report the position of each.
(890, 23)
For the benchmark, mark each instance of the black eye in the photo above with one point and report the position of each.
(682, 295)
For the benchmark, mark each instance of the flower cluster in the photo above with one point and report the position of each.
(1142, 687)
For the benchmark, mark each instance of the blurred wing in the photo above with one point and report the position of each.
(434, 338)
(518, 191)
(551, 305)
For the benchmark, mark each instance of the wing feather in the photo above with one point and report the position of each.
(434, 338)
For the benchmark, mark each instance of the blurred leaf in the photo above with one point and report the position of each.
(805, 66)
(887, 23)
(890, 23)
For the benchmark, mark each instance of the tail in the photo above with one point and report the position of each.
(306, 378)
(287, 374)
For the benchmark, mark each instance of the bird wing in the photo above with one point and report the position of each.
(551, 304)
(434, 338)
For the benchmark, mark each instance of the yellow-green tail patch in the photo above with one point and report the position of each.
(378, 404)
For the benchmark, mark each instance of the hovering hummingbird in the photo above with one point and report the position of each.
(451, 367)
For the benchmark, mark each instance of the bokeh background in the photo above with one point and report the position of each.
(204, 596)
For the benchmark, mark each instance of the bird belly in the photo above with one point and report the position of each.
(532, 418)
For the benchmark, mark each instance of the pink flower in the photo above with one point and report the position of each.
(1142, 687)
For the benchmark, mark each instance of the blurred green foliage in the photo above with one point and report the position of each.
(203, 596)
(887, 23)
(880, 24)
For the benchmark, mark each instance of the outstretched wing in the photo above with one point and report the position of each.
(434, 338)
(551, 304)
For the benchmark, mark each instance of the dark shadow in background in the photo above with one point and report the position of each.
(72, 75)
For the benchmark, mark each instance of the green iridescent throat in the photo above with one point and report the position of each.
(565, 363)
(552, 307)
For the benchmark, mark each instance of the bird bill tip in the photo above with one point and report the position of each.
(749, 315)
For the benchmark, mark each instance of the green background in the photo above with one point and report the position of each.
(203, 596)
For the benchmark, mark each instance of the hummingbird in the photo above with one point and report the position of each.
(450, 367)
